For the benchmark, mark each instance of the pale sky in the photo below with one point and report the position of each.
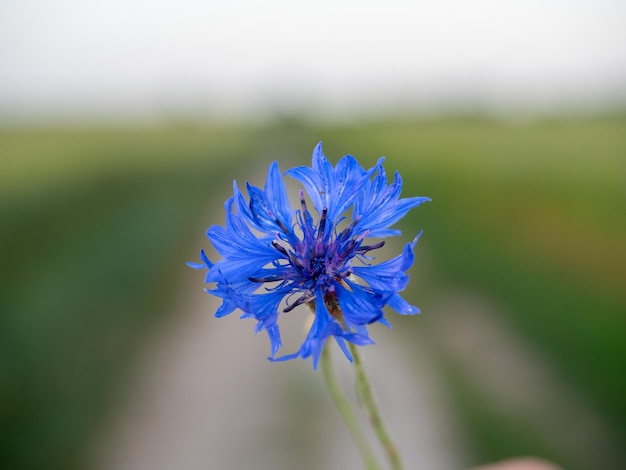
(144, 57)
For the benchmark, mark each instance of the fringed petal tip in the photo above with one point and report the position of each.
(401, 306)
(318, 152)
(193, 265)
(286, 357)
(417, 237)
(206, 263)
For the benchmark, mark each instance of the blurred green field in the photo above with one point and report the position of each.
(97, 223)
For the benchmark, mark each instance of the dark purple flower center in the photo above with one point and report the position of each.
(320, 257)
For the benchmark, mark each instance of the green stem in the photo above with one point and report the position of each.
(343, 405)
(366, 399)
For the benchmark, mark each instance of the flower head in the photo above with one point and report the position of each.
(276, 258)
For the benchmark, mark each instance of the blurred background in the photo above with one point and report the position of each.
(122, 126)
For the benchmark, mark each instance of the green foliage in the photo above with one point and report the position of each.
(91, 254)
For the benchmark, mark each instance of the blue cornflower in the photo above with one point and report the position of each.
(276, 258)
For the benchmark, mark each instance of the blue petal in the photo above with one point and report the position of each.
(242, 251)
(394, 212)
(388, 275)
(261, 212)
(262, 307)
(274, 334)
(195, 265)
(206, 262)
(333, 189)
(383, 321)
(313, 185)
(402, 306)
(344, 348)
(227, 307)
(378, 205)
(205, 259)
(359, 340)
(360, 305)
(243, 209)
(383, 233)
(349, 178)
(324, 169)
(276, 195)
(321, 329)
(286, 357)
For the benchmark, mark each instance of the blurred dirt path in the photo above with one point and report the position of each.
(205, 397)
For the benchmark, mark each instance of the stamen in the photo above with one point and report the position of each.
(282, 226)
(302, 300)
(270, 278)
(302, 201)
(367, 248)
(278, 222)
(349, 228)
(322, 225)
(361, 237)
(280, 248)
(290, 256)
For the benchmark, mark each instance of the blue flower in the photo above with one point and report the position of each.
(276, 258)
